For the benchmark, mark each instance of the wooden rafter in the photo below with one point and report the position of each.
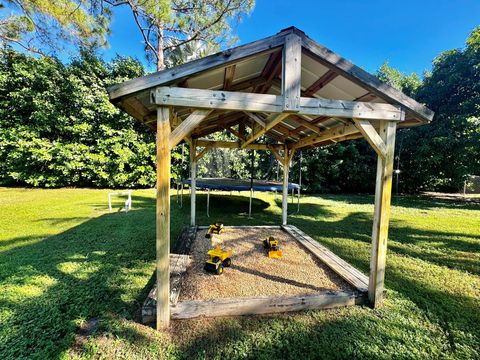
(320, 83)
(236, 145)
(228, 77)
(272, 69)
(272, 120)
(326, 135)
(235, 133)
(257, 118)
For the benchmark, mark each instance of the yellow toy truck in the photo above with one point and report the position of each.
(216, 228)
(271, 245)
(218, 259)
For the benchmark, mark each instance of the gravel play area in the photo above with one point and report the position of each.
(253, 273)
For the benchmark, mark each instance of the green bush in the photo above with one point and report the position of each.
(58, 128)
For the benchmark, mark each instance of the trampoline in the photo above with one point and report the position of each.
(226, 184)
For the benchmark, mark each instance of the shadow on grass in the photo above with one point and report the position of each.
(102, 265)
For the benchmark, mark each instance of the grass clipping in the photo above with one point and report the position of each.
(253, 273)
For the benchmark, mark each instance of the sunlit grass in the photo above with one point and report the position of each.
(65, 259)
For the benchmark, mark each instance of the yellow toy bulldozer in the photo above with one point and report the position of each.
(218, 259)
(271, 245)
(216, 228)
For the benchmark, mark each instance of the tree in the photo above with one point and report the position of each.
(167, 25)
(41, 26)
(439, 156)
(58, 128)
(408, 84)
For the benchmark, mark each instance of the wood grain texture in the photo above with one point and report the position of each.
(187, 126)
(364, 79)
(371, 135)
(383, 193)
(292, 72)
(163, 218)
(238, 101)
(264, 305)
(178, 73)
(346, 271)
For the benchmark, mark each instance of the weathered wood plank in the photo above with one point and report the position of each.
(329, 134)
(178, 267)
(236, 145)
(228, 77)
(364, 79)
(264, 305)
(383, 193)
(371, 135)
(187, 126)
(211, 62)
(163, 218)
(346, 271)
(320, 83)
(272, 120)
(292, 69)
(257, 118)
(238, 101)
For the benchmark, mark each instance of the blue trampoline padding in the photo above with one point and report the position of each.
(239, 185)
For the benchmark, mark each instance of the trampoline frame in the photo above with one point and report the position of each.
(245, 185)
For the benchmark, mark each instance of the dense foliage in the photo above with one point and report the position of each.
(441, 155)
(57, 127)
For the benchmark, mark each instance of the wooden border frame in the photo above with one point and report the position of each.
(268, 304)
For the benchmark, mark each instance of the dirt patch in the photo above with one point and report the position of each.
(253, 273)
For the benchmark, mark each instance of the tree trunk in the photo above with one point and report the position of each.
(160, 56)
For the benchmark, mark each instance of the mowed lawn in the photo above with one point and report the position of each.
(73, 277)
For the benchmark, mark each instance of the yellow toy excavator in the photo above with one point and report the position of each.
(271, 245)
(218, 259)
(216, 228)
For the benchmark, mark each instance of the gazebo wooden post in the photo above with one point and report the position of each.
(383, 190)
(193, 181)
(163, 217)
(286, 168)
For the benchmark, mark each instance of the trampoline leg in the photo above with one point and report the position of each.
(208, 203)
(250, 205)
(181, 195)
(298, 200)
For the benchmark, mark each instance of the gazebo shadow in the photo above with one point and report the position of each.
(76, 275)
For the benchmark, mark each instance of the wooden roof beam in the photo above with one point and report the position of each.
(237, 145)
(320, 83)
(272, 69)
(329, 134)
(238, 101)
(187, 126)
(228, 77)
(274, 120)
(292, 73)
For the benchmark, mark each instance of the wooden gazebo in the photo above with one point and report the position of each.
(282, 93)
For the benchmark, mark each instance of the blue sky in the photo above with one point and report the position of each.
(407, 33)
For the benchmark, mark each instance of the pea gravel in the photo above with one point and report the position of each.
(253, 273)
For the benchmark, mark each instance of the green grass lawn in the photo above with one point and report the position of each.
(65, 262)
